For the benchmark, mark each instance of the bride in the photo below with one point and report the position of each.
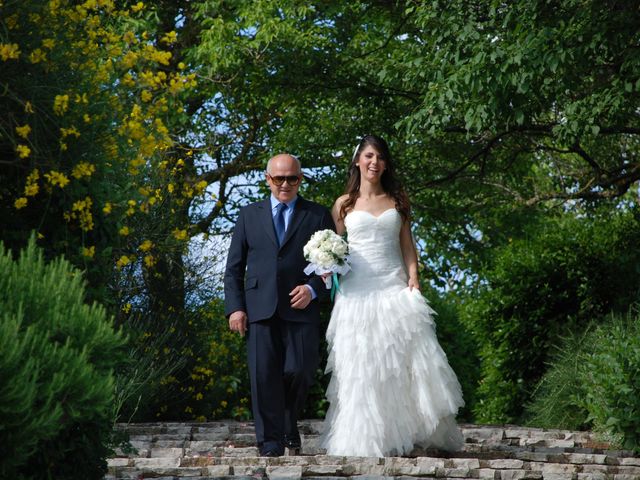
(391, 386)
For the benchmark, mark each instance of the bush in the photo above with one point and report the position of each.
(459, 345)
(56, 385)
(558, 399)
(594, 382)
(536, 291)
(612, 379)
(199, 367)
(149, 362)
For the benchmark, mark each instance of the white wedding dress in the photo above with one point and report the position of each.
(391, 386)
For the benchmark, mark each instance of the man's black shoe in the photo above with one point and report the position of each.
(293, 443)
(271, 453)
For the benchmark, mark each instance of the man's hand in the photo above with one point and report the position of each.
(238, 322)
(300, 297)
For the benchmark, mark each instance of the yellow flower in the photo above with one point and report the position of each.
(83, 169)
(137, 7)
(57, 178)
(89, 252)
(181, 66)
(126, 308)
(23, 151)
(23, 131)
(129, 59)
(128, 81)
(31, 189)
(170, 37)
(124, 231)
(179, 234)
(87, 118)
(149, 261)
(82, 211)
(199, 396)
(48, 43)
(146, 245)
(129, 37)
(122, 261)
(28, 107)
(33, 176)
(201, 185)
(20, 203)
(12, 21)
(170, 187)
(107, 208)
(60, 104)
(146, 96)
(9, 51)
(37, 56)
(162, 58)
(66, 132)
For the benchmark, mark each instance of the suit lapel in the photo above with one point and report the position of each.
(267, 220)
(299, 212)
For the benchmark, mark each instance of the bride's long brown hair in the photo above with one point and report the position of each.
(390, 184)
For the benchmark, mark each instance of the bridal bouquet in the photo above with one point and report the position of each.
(328, 253)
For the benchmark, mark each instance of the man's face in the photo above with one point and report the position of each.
(284, 168)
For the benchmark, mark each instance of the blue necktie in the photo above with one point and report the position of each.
(279, 222)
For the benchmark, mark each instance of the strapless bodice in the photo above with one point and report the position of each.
(374, 251)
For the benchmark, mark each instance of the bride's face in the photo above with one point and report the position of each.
(371, 164)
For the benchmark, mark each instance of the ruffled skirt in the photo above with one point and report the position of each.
(391, 386)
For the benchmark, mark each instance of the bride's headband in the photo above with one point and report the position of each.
(355, 152)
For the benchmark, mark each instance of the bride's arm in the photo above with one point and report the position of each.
(409, 255)
(335, 213)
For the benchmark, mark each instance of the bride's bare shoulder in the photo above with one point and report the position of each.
(340, 200)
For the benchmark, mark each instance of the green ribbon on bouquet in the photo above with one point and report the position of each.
(335, 285)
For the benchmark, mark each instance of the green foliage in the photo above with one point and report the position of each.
(594, 382)
(576, 269)
(612, 367)
(459, 345)
(196, 369)
(56, 389)
(217, 385)
(557, 401)
(142, 375)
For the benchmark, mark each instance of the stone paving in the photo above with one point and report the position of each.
(226, 450)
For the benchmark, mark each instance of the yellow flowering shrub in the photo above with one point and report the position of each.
(111, 95)
(90, 138)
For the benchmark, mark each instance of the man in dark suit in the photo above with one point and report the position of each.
(268, 296)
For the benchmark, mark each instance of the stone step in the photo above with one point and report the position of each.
(505, 452)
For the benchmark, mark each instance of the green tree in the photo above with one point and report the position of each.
(537, 290)
(57, 381)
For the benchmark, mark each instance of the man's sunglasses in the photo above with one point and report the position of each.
(292, 180)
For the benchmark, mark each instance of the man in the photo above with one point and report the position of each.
(268, 296)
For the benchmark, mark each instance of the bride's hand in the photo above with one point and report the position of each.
(413, 283)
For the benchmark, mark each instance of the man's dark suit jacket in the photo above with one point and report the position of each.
(272, 271)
